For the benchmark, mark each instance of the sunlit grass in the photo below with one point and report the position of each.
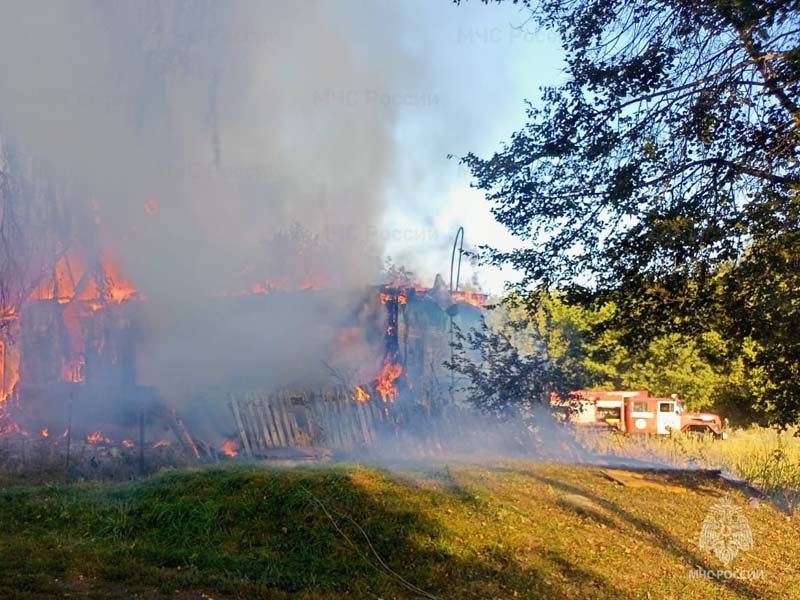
(766, 458)
(459, 532)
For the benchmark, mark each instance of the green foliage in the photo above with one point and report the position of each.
(585, 351)
(674, 364)
(662, 177)
(502, 380)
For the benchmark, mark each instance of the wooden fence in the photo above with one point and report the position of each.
(320, 422)
(326, 418)
(332, 419)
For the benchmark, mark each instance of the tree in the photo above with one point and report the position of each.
(502, 380)
(663, 175)
(762, 305)
(553, 330)
(696, 368)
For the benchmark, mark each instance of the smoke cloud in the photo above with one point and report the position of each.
(214, 146)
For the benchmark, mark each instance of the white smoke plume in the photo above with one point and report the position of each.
(194, 137)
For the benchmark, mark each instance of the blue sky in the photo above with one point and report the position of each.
(481, 64)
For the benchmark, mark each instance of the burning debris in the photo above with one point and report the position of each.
(71, 340)
(230, 448)
(97, 437)
(361, 395)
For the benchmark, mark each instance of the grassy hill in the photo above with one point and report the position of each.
(456, 532)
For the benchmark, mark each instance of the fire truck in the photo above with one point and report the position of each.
(634, 411)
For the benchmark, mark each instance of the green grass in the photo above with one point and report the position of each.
(458, 532)
(764, 457)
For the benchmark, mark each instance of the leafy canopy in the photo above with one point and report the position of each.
(663, 175)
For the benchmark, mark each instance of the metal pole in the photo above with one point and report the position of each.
(459, 235)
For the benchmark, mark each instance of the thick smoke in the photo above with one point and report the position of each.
(213, 146)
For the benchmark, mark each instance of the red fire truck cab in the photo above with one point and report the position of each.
(634, 411)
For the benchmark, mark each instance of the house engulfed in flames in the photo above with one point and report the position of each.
(73, 344)
(72, 341)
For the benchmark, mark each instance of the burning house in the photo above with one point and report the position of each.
(409, 327)
(147, 226)
(70, 348)
(69, 355)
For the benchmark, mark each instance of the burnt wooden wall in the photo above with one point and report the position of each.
(333, 419)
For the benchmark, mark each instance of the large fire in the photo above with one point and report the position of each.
(72, 281)
(230, 447)
(98, 438)
(79, 287)
(474, 298)
(118, 288)
(81, 291)
(395, 296)
(77, 290)
(385, 383)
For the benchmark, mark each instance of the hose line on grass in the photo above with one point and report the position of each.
(383, 566)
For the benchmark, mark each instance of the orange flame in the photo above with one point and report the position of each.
(361, 395)
(400, 296)
(386, 378)
(260, 288)
(45, 433)
(97, 437)
(69, 285)
(230, 447)
(474, 298)
(63, 286)
(127, 443)
(118, 288)
(161, 444)
(310, 281)
(9, 371)
(9, 425)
